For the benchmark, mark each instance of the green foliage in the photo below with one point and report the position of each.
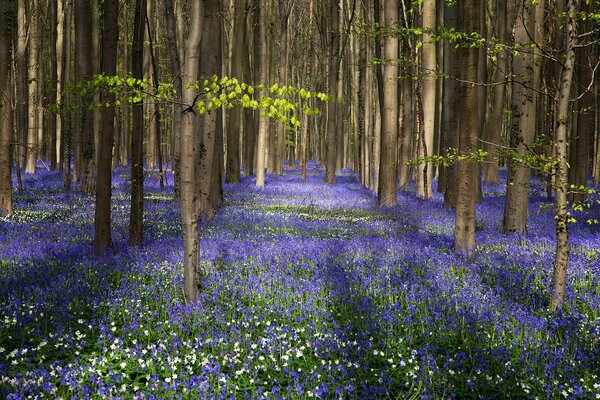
(276, 102)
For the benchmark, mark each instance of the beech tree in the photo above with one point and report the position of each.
(110, 38)
(6, 34)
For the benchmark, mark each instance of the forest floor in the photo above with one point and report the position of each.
(308, 290)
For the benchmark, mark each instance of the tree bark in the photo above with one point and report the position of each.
(464, 228)
(426, 146)
(33, 85)
(84, 152)
(559, 278)
(516, 210)
(110, 39)
(333, 60)
(175, 62)
(21, 83)
(136, 215)
(6, 117)
(451, 108)
(189, 216)
(263, 120)
(387, 169)
(232, 174)
(494, 126)
(211, 66)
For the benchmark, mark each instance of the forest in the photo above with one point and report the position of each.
(300, 199)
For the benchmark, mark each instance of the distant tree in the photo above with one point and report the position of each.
(6, 33)
(110, 39)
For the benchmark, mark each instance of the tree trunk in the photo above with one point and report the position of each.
(189, 217)
(516, 209)
(136, 215)
(494, 127)
(466, 196)
(85, 168)
(451, 107)
(426, 149)
(387, 169)
(21, 83)
(251, 78)
(263, 120)
(284, 9)
(67, 122)
(232, 175)
(175, 62)
(110, 39)
(333, 60)
(559, 279)
(211, 66)
(6, 128)
(33, 85)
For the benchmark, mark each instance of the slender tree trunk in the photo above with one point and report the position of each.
(516, 211)
(464, 228)
(175, 62)
(387, 170)
(426, 149)
(285, 9)
(494, 126)
(21, 83)
(189, 216)
(52, 96)
(33, 84)
(156, 118)
(232, 175)
(211, 65)
(451, 107)
(559, 279)
(110, 39)
(263, 121)
(333, 60)
(67, 122)
(85, 166)
(6, 118)
(136, 214)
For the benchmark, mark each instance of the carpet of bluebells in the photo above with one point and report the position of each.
(308, 290)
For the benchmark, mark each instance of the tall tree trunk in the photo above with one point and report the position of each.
(110, 40)
(175, 62)
(464, 228)
(189, 216)
(33, 85)
(451, 107)
(263, 121)
(426, 149)
(251, 78)
(581, 138)
(333, 61)
(85, 168)
(284, 15)
(136, 215)
(516, 210)
(232, 175)
(494, 127)
(156, 118)
(67, 122)
(6, 128)
(21, 83)
(210, 66)
(559, 279)
(387, 170)
(53, 96)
